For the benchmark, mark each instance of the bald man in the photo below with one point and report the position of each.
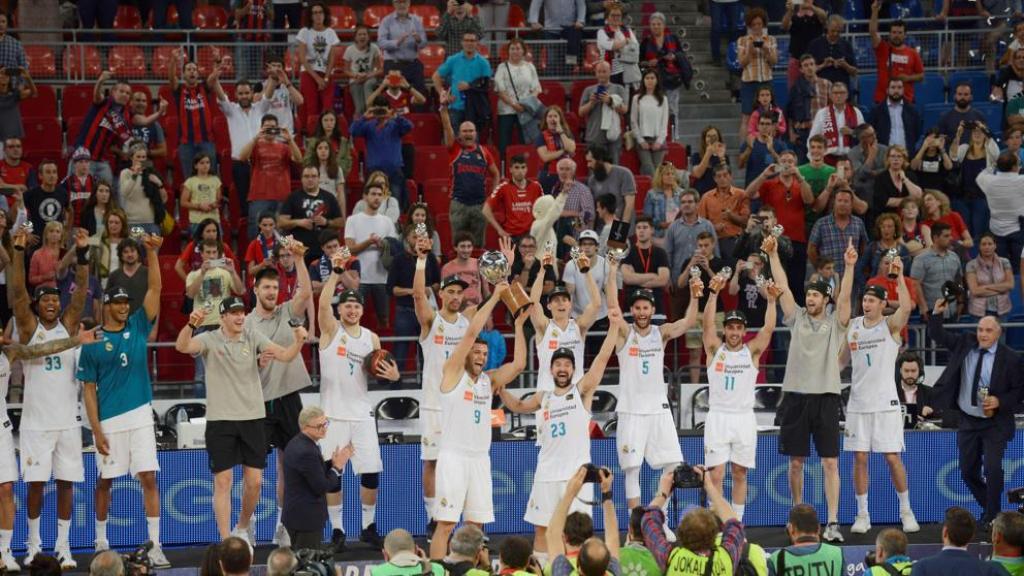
(470, 166)
(600, 101)
(401, 554)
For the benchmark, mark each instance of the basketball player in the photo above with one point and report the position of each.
(51, 425)
(646, 431)
(874, 420)
(563, 429)
(118, 398)
(440, 332)
(730, 431)
(343, 396)
(463, 463)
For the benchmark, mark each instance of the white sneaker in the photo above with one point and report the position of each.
(281, 537)
(102, 545)
(909, 522)
(156, 556)
(242, 533)
(861, 524)
(63, 554)
(30, 553)
(832, 533)
(10, 564)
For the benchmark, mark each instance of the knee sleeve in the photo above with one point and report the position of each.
(632, 482)
(370, 481)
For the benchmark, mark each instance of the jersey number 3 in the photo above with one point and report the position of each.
(124, 359)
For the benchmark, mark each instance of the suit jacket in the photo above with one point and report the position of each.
(953, 562)
(879, 118)
(1004, 382)
(307, 480)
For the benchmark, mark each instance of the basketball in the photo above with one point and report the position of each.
(374, 358)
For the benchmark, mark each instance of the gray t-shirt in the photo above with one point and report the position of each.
(594, 133)
(233, 390)
(136, 285)
(813, 363)
(619, 183)
(279, 378)
(932, 271)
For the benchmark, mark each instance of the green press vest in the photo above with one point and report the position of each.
(683, 562)
(827, 556)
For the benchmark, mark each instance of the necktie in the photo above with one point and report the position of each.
(976, 381)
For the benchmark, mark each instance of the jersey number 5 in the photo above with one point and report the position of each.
(645, 367)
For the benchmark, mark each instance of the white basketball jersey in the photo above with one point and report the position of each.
(438, 345)
(5, 380)
(466, 417)
(641, 380)
(564, 430)
(51, 389)
(553, 339)
(873, 353)
(732, 376)
(343, 394)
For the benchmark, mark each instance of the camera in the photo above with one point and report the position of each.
(593, 474)
(601, 90)
(952, 291)
(870, 560)
(218, 263)
(758, 43)
(1016, 496)
(137, 561)
(686, 476)
(314, 562)
(296, 321)
(273, 131)
(970, 125)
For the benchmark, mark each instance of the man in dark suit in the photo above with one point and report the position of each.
(308, 479)
(914, 396)
(954, 559)
(982, 381)
(908, 119)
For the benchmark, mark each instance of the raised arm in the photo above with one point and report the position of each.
(537, 316)
(455, 363)
(174, 69)
(304, 285)
(185, 343)
(97, 88)
(519, 406)
(325, 315)
(900, 318)
(598, 365)
(556, 527)
(676, 329)
(711, 340)
(876, 39)
(771, 247)
(15, 351)
(424, 312)
(154, 281)
(763, 340)
(510, 371)
(76, 306)
(24, 318)
(844, 300)
(586, 319)
(446, 124)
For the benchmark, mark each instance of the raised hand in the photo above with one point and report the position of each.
(773, 290)
(298, 249)
(81, 238)
(696, 288)
(770, 245)
(717, 283)
(507, 248)
(850, 256)
(197, 316)
(90, 336)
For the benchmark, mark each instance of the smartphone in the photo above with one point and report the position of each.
(273, 131)
(219, 263)
(841, 172)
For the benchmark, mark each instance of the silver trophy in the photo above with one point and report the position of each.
(890, 256)
(576, 253)
(982, 394)
(344, 253)
(695, 275)
(760, 281)
(421, 230)
(28, 227)
(617, 253)
(137, 233)
(777, 231)
(725, 273)
(495, 268)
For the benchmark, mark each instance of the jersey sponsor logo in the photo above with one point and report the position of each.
(468, 396)
(854, 346)
(552, 344)
(634, 351)
(341, 351)
(108, 347)
(547, 415)
(719, 366)
(439, 339)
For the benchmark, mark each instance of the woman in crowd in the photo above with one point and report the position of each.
(11, 95)
(937, 209)
(911, 232)
(201, 193)
(555, 142)
(419, 213)
(712, 153)
(94, 213)
(757, 52)
(662, 200)
(191, 257)
(363, 65)
(649, 122)
(322, 156)
(977, 154)
(316, 43)
(765, 105)
(516, 80)
(887, 232)
(334, 129)
(932, 164)
(389, 207)
(47, 266)
(892, 184)
(804, 21)
(619, 46)
(989, 282)
(143, 195)
(103, 254)
(662, 51)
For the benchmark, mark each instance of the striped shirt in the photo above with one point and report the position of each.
(758, 69)
(195, 114)
(105, 124)
(579, 199)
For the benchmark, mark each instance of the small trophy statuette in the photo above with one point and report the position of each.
(495, 268)
(137, 233)
(421, 230)
(618, 241)
(891, 255)
(777, 230)
(576, 253)
(695, 275)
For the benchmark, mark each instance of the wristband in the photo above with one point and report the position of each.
(82, 256)
(338, 269)
(421, 263)
(193, 327)
(663, 495)
(606, 496)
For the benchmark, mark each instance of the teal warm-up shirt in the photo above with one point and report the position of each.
(118, 365)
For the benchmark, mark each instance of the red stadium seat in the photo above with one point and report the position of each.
(426, 129)
(210, 18)
(372, 15)
(75, 100)
(74, 127)
(516, 16)
(552, 93)
(41, 61)
(83, 61)
(444, 231)
(643, 185)
(437, 195)
(676, 154)
(432, 56)
(172, 283)
(430, 15)
(591, 56)
(483, 50)
(431, 163)
(581, 161)
(43, 137)
(533, 161)
(342, 18)
(207, 57)
(126, 20)
(127, 61)
(162, 58)
(628, 159)
(44, 105)
(221, 137)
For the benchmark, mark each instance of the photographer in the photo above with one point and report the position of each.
(107, 563)
(697, 532)
(515, 557)
(1008, 541)
(468, 556)
(807, 552)
(270, 152)
(596, 558)
(383, 130)
(235, 557)
(281, 562)
(403, 558)
(890, 555)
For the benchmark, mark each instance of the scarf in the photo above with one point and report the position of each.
(610, 54)
(669, 45)
(832, 128)
(552, 141)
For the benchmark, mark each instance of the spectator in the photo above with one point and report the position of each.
(143, 195)
(649, 123)
(808, 94)
(788, 195)
(389, 207)
(191, 100)
(308, 212)
(757, 52)
(322, 156)
(51, 261)
(605, 206)
(15, 173)
(320, 270)
(834, 54)
(764, 105)
(105, 126)
(12, 54)
(401, 557)
(762, 149)
(818, 175)
(608, 178)
(887, 230)
(513, 200)
(893, 185)
(712, 155)
(911, 231)
(462, 72)
(215, 280)
(105, 256)
(383, 129)
(11, 94)
(201, 193)
(937, 209)
(517, 86)
(662, 51)
(914, 396)
(94, 212)
(578, 213)
(1012, 140)
(419, 213)
(400, 96)
(555, 142)
(727, 207)
(619, 46)
(259, 254)
(962, 111)
(269, 152)
(527, 265)
(399, 287)
(470, 165)
(400, 37)
(335, 130)
(131, 274)
(1002, 188)
(1008, 541)
(234, 555)
(804, 532)
(725, 17)
(47, 202)
(79, 184)
(151, 134)
(1008, 88)
(867, 159)
(663, 198)
(957, 533)
(990, 281)
(836, 123)
(752, 300)
(932, 164)
(43, 565)
(602, 105)
(576, 281)
(467, 269)
(282, 561)
(364, 68)
(563, 21)
(547, 211)
(974, 157)
(934, 267)
(904, 63)
(709, 258)
(897, 122)
(681, 240)
(281, 94)
(468, 555)
(244, 119)
(646, 265)
(594, 557)
(366, 235)
(457, 21)
(833, 233)
(759, 227)
(191, 257)
(253, 15)
(805, 22)
(317, 44)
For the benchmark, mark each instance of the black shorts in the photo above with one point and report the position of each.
(282, 421)
(803, 416)
(233, 442)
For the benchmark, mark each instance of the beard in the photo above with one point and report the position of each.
(600, 172)
(962, 104)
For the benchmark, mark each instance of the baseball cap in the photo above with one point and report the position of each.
(876, 291)
(43, 291)
(820, 286)
(348, 295)
(81, 153)
(563, 352)
(590, 235)
(559, 290)
(735, 316)
(453, 280)
(641, 294)
(115, 293)
(231, 304)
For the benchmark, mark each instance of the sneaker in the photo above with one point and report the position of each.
(30, 553)
(337, 541)
(832, 533)
(157, 557)
(63, 554)
(861, 524)
(369, 536)
(102, 545)
(431, 528)
(9, 563)
(281, 537)
(909, 522)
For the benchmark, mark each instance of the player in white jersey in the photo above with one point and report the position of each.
(563, 429)
(344, 347)
(730, 431)
(646, 431)
(463, 463)
(561, 330)
(51, 427)
(874, 420)
(440, 332)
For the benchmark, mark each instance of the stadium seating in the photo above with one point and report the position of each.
(127, 61)
(84, 61)
(373, 14)
(343, 18)
(42, 63)
(44, 105)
